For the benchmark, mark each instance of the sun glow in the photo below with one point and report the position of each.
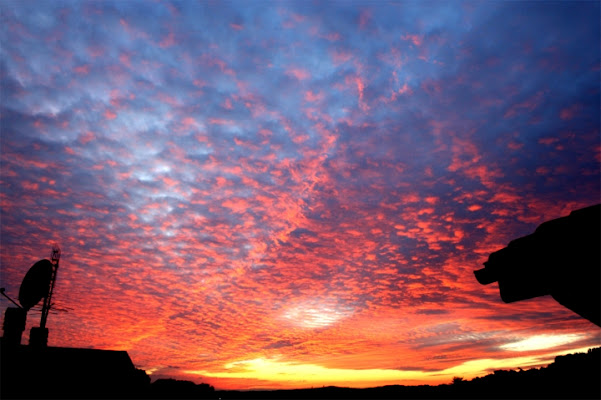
(304, 375)
(539, 342)
(310, 374)
(316, 314)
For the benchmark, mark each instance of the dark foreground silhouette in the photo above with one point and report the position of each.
(562, 258)
(62, 373)
(59, 372)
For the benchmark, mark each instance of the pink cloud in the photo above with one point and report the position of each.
(171, 100)
(340, 56)
(220, 121)
(405, 89)
(188, 122)
(512, 145)
(132, 31)
(170, 182)
(298, 73)
(570, 112)
(31, 186)
(96, 51)
(548, 141)
(313, 97)
(332, 36)
(222, 182)
(108, 114)
(506, 197)
(290, 19)
(82, 69)
(360, 87)
(358, 83)
(527, 105)
(236, 205)
(125, 59)
(167, 41)
(416, 39)
(432, 199)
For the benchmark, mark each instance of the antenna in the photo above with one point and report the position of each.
(55, 256)
(37, 284)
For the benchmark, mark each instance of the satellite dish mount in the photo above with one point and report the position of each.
(37, 284)
(38, 336)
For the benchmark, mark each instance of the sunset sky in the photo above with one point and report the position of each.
(259, 194)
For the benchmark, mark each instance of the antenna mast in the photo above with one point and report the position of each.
(54, 259)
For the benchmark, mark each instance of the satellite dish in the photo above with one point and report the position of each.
(36, 283)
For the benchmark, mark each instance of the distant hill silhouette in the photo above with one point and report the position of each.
(176, 389)
(99, 374)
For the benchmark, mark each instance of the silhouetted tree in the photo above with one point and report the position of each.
(176, 389)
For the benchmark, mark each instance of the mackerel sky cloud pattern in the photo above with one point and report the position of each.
(241, 188)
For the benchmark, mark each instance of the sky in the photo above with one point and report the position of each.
(296, 194)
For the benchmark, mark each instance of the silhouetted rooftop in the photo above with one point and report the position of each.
(61, 372)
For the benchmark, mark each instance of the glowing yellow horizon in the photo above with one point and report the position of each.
(289, 372)
(297, 374)
(283, 371)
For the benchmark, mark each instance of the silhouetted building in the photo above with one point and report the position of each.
(14, 325)
(59, 372)
(39, 371)
(562, 258)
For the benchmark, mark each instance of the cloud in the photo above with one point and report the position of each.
(317, 195)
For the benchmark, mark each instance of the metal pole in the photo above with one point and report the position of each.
(55, 256)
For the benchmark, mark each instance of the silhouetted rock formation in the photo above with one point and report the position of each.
(561, 258)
